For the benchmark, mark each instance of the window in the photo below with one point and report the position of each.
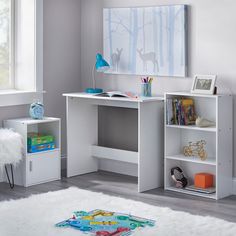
(21, 51)
(21, 37)
(6, 44)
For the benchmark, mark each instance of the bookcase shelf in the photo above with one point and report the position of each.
(185, 191)
(192, 127)
(217, 108)
(181, 157)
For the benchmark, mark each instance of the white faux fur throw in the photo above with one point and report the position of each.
(11, 146)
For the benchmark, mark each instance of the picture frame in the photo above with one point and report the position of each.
(149, 41)
(204, 84)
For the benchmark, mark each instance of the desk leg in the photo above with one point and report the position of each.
(82, 129)
(150, 145)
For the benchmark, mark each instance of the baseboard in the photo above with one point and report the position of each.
(234, 186)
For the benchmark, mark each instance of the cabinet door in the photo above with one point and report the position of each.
(43, 167)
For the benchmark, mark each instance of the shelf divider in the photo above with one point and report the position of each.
(192, 127)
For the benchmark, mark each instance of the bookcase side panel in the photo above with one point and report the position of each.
(224, 146)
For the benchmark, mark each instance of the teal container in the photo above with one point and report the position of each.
(146, 89)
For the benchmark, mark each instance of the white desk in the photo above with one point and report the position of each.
(82, 137)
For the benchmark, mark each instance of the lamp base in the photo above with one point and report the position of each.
(93, 90)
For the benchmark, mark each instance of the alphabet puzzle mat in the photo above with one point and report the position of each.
(105, 223)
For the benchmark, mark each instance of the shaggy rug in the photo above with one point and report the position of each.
(38, 214)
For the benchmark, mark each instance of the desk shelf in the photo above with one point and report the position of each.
(115, 154)
(181, 157)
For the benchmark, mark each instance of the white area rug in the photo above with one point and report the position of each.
(36, 215)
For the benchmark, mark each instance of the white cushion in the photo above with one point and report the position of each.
(11, 147)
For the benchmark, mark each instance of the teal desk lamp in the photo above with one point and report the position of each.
(101, 65)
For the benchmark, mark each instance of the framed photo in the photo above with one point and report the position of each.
(204, 84)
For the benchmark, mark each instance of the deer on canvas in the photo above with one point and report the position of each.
(148, 57)
(115, 58)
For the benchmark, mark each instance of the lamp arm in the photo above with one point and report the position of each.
(93, 76)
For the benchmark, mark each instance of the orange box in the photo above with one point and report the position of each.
(203, 180)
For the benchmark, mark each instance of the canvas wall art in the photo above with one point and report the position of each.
(147, 40)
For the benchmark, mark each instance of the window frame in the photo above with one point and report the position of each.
(13, 45)
(11, 64)
(12, 96)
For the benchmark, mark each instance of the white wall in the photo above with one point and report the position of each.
(61, 60)
(212, 45)
(61, 56)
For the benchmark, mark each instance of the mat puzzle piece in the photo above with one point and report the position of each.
(105, 223)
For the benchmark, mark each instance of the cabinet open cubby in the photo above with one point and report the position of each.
(181, 137)
(45, 128)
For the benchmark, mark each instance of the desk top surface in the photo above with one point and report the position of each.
(123, 99)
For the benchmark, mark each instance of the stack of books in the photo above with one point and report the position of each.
(39, 143)
(180, 111)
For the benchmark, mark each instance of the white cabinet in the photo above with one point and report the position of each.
(218, 108)
(41, 167)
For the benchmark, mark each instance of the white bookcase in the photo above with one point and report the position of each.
(41, 167)
(218, 108)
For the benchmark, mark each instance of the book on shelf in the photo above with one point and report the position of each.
(117, 94)
(180, 111)
(201, 190)
(38, 142)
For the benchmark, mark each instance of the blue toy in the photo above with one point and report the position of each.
(36, 110)
(105, 223)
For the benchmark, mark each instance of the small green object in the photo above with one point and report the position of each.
(122, 217)
(36, 139)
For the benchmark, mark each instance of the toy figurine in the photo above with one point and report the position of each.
(196, 149)
(202, 122)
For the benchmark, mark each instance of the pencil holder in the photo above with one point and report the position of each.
(146, 89)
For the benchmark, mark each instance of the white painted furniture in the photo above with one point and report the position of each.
(41, 167)
(82, 137)
(218, 108)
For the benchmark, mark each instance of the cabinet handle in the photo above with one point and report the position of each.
(30, 166)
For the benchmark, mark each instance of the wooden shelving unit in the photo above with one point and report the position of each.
(218, 108)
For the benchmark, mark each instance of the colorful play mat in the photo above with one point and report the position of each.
(105, 223)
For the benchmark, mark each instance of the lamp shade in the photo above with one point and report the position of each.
(101, 65)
